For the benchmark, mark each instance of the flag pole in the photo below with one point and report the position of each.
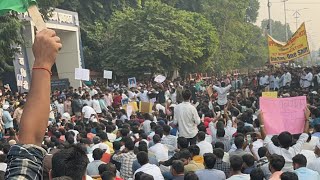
(37, 18)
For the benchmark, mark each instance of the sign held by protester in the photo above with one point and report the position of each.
(271, 94)
(82, 74)
(132, 82)
(283, 114)
(296, 47)
(160, 79)
(145, 107)
(107, 74)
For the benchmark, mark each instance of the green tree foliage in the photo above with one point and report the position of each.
(158, 38)
(278, 29)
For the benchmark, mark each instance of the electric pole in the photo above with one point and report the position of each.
(297, 15)
(285, 18)
(269, 10)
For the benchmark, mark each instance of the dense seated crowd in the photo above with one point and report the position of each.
(191, 134)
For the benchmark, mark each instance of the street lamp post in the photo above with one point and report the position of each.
(269, 10)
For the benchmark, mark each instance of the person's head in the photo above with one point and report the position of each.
(142, 158)
(177, 168)
(289, 176)
(129, 144)
(219, 145)
(218, 152)
(108, 175)
(209, 160)
(256, 174)
(143, 176)
(185, 156)
(186, 95)
(238, 141)
(97, 154)
(182, 143)
(191, 176)
(299, 161)
(194, 150)
(236, 163)
(107, 167)
(285, 139)
(156, 138)
(166, 130)
(201, 136)
(223, 84)
(248, 160)
(220, 132)
(71, 162)
(276, 163)
(262, 152)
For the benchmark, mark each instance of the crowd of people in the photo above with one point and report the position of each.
(193, 132)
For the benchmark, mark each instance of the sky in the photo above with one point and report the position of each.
(309, 13)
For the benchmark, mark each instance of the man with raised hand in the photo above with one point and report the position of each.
(25, 159)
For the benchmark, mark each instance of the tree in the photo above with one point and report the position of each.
(278, 29)
(158, 38)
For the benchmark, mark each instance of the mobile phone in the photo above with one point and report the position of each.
(249, 139)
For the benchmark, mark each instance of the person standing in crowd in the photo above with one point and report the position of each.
(76, 105)
(186, 117)
(222, 94)
(67, 105)
(7, 119)
(17, 114)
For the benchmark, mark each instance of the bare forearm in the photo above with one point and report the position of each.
(35, 115)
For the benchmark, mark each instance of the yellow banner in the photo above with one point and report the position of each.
(271, 94)
(296, 47)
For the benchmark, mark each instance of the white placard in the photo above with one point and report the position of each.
(107, 74)
(82, 74)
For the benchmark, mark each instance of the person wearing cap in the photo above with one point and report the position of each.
(6, 118)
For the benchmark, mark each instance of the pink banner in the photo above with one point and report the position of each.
(283, 114)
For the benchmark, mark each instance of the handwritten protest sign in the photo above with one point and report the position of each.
(134, 106)
(82, 74)
(271, 94)
(283, 114)
(107, 74)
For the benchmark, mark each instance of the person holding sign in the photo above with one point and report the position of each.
(285, 141)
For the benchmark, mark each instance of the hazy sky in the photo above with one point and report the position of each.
(310, 15)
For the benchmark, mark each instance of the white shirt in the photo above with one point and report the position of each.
(264, 80)
(111, 137)
(96, 106)
(93, 92)
(307, 80)
(315, 165)
(160, 107)
(240, 177)
(287, 79)
(144, 96)
(205, 147)
(222, 94)
(152, 170)
(187, 118)
(160, 151)
(288, 154)
(88, 111)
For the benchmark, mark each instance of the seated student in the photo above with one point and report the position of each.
(239, 142)
(262, 152)
(195, 150)
(108, 175)
(110, 168)
(191, 176)
(189, 164)
(248, 163)
(148, 168)
(236, 165)
(226, 156)
(177, 170)
(204, 146)
(143, 176)
(220, 165)
(152, 160)
(209, 171)
(289, 176)
(160, 150)
(276, 164)
(71, 162)
(182, 145)
(299, 166)
(92, 169)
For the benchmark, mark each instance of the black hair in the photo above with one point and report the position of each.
(209, 160)
(300, 159)
(71, 162)
(102, 168)
(256, 174)
(143, 176)
(191, 176)
(185, 154)
(178, 166)
(97, 154)
(108, 175)
(285, 139)
(218, 152)
(262, 152)
(129, 144)
(186, 94)
(183, 142)
(221, 132)
(142, 158)
(201, 136)
(238, 141)
(166, 129)
(194, 150)
(276, 162)
(248, 159)
(219, 145)
(289, 176)
(236, 163)
(156, 138)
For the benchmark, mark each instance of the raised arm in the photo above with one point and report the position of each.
(35, 115)
(262, 130)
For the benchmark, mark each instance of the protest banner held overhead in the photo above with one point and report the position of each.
(296, 47)
(283, 114)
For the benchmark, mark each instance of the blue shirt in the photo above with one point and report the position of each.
(210, 174)
(307, 174)
(316, 134)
